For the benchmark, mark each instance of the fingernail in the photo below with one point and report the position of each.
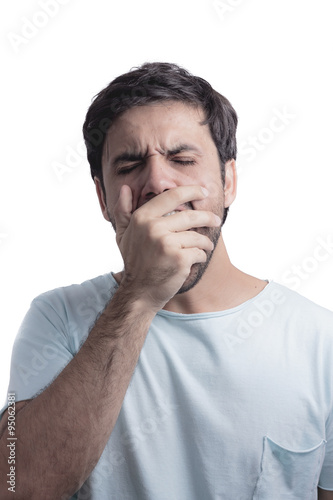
(218, 219)
(205, 191)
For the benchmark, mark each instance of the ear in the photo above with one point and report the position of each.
(230, 184)
(101, 198)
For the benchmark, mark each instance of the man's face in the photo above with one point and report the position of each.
(158, 147)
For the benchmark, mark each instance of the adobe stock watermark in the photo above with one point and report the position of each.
(31, 27)
(225, 7)
(93, 304)
(75, 156)
(253, 318)
(11, 445)
(3, 237)
(298, 273)
(254, 144)
(39, 360)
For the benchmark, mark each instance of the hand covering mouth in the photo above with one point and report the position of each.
(186, 206)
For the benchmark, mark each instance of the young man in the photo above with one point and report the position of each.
(181, 377)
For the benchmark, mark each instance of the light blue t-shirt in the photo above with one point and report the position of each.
(236, 404)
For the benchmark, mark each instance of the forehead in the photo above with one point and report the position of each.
(158, 125)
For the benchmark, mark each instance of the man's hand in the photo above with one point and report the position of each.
(159, 251)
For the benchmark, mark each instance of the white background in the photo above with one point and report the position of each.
(264, 56)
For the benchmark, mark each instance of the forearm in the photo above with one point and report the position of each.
(324, 494)
(63, 431)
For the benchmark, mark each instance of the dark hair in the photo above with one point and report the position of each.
(150, 83)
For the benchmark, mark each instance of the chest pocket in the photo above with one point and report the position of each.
(287, 474)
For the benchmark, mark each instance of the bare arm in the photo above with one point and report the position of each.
(61, 433)
(324, 494)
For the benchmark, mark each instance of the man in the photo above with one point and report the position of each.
(180, 377)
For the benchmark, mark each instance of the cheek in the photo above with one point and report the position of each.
(215, 199)
(211, 178)
(214, 186)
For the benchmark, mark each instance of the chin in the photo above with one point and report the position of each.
(197, 271)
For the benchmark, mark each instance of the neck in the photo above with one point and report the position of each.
(222, 287)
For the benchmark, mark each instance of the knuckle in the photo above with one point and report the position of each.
(150, 229)
(166, 240)
(154, 231)
(137, 217)
(162, 244)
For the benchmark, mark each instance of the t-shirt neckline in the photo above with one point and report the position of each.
(232, 310)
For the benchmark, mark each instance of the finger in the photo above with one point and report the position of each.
(195, 256)
(171, 199)
(192, 239)
(122, 210)
(188, 219)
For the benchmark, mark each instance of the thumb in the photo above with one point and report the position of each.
(123, 211)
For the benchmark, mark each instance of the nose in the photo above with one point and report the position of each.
(158, 177)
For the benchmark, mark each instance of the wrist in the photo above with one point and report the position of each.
(135, 301)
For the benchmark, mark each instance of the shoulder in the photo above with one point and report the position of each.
(84, 299)
(295, 301)
(102, 285)
(295, 309)
(66, 314)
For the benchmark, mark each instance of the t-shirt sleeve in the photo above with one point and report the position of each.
(41, 350)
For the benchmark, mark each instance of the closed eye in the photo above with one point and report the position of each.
(184, 162)
(127, 170)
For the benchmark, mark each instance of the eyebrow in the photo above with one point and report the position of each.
(129, 156)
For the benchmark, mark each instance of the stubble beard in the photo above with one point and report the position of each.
(199, 269)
